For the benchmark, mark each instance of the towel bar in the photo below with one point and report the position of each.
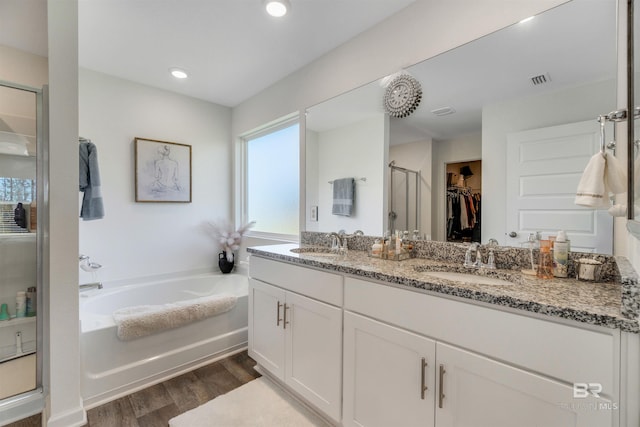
(356, 179)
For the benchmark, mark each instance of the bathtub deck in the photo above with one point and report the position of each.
(154, 406)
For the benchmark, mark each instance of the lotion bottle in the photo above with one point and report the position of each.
(561, 249)
(21, 304)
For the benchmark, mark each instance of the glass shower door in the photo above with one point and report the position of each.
(20, 124)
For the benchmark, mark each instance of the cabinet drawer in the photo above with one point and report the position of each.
(565, 352)
(316, 284)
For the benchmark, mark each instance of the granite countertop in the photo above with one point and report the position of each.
(595, 303)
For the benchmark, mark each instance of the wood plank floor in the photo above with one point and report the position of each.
(156, 405)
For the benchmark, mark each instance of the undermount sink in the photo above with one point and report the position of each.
(320, 252)
(468, 278)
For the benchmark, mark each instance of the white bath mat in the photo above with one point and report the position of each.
(259, 403)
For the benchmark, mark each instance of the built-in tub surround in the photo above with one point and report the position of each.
(597, 303)
(112, 367)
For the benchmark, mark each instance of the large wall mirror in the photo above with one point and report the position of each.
(523, 102)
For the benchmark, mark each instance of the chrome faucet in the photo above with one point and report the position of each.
(340, 240)
(474, 247)
(337, 240)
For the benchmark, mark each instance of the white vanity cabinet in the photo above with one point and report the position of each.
(388, 375)
(483, 367)
(477, 391)
(295, 329)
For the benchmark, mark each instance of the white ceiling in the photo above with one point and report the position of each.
(573, 44)
(231, 48)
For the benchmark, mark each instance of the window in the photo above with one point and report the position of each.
(12, 192)
(17, 190)
(272, 179)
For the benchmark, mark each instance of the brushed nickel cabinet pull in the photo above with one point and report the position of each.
(441, 394)
(286, 322)
(278, 319)
(423, 386)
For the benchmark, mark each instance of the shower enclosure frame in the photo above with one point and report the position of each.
(33, 401)
(392, 214)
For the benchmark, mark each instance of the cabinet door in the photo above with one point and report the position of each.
(314, 352)
(481, 392)
(266, 334)
(385, 370)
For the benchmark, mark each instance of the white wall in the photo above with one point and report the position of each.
(355, 150)
(417, 156)
(463, 148)
(145, 239)
(312, 184)
(62, 326)
(568, 106)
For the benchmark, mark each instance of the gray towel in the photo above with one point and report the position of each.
(92, 207)
(344, 193)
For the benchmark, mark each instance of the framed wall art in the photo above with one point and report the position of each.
(163, 171)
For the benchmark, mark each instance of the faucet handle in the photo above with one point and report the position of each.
(467, 258)
(478, 263)
(491, 261)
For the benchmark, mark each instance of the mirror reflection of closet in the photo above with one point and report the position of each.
(21, 115)
(464, 201)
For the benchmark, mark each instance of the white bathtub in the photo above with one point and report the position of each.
(112, 368)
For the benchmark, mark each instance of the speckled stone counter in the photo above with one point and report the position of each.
(596, 303)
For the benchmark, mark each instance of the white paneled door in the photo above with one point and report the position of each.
(544, 167)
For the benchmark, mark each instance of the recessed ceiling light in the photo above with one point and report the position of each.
(178, 73)
(277, 8)
(527, 19)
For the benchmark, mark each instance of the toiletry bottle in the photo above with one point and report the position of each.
(21, 304)
(545, 261)
(31, 301)
(398, 243)
(391, 248)
(376, 249)
(561, 250)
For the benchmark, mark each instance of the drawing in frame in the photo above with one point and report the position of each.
(162, 171)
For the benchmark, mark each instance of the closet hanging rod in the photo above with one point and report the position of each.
(355, 179)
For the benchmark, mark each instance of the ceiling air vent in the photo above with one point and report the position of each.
(540, 79)
(444, 111)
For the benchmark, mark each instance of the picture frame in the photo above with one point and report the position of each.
(162, 171)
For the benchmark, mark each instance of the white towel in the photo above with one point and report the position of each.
(140, 321)
(616, 175)
(618, 210)
(603, 174)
